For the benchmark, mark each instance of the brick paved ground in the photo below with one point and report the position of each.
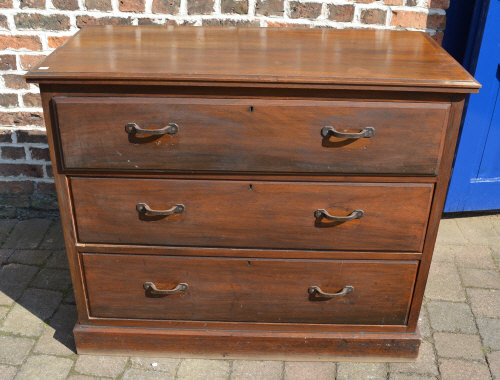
(460, 320)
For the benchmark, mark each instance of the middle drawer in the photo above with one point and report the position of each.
(258, 214)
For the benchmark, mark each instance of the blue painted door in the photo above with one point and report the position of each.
(475, 182)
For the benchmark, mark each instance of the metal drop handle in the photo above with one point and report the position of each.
(152, 289)
(316, 290)
(321, 213)
(143, 208)
(133, 128)
(331, 131)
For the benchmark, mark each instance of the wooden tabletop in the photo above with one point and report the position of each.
(254, 55)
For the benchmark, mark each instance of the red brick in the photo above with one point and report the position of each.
(13, 153)
(15, 170)
(8, 100)
(393, 2)
(3, 22)
(69, 5)
(31, 136)
(20, 42)
(40, 154)
(234, 6)
(32, 100)
(235, 23)
(37, 4)
(411, 3)
(373, 16)
(269, 7)
(5, 135)
(304, 10)
(131, 5)
(21, 118)
(438, 37)
(170, 7)
(6, 4)
(342, 13)
(442, 4)
(15, 81)
(16, 187)
(82, 21)
(7, 62)
(50, 172)
(30, 61)
(200, 7)
(408, 19)
(46, 188)
(280, 24)
(437, 22)
(100, 5)
(55, 41)
(39, 21)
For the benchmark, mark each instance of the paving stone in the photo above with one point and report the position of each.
(489, 329)
(54, 238)
(479, 230)
(444, 283)
(425, 363)
(6, 226)
(22, 321)
(14, 278)
(255, 369)
(3, 312)
(29, 256)
(85, 377)
(463, 346)
(454, 369)
(168, 365)
(310, 370)
(485, 302)
(27, 234)
(353, 370)
(58, 259)
(40, 302)
(7, 372)
(141, 374)
(410, 376)
(200, 369)
(494, 361)
(474, 256)
(451, 317)
(444, 253)
(449, 233)
(110, 366)
(69, 297)
(44, 367)
(13, 350)
(480, 278)
(58, 279)
(57, 338)
(423, 323)
(4, 255)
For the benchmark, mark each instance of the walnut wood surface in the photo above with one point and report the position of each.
(305, 56)
(249, 290)
(256, 214)
(250, 135)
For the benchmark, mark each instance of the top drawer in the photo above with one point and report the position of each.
(280, 136)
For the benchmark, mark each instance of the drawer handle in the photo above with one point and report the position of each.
(321, 213)
(143, 208)
(152, 289)
(316, 290)
(134, 129)
(331, 131)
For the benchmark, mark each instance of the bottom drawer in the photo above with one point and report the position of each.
(249, 290)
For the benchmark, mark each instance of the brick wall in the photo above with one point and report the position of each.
(31, 29)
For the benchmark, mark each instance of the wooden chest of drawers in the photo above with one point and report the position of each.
(250, 192)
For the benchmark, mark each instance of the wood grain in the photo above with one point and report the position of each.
(252, 215)
(250, 135)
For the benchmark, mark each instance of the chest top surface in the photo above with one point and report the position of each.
(254, 55)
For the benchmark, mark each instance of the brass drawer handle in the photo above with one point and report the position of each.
(321, 213)
(316, 290)
(331, 131)
(143, 208)
(152, 289)
(134, 129)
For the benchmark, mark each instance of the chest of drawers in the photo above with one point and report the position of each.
(250, 192)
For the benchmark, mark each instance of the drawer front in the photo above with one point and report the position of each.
(282, 136)
(250, 290)
(252, 214)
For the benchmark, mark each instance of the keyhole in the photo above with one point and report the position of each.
(250, 187)
(251, 108)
